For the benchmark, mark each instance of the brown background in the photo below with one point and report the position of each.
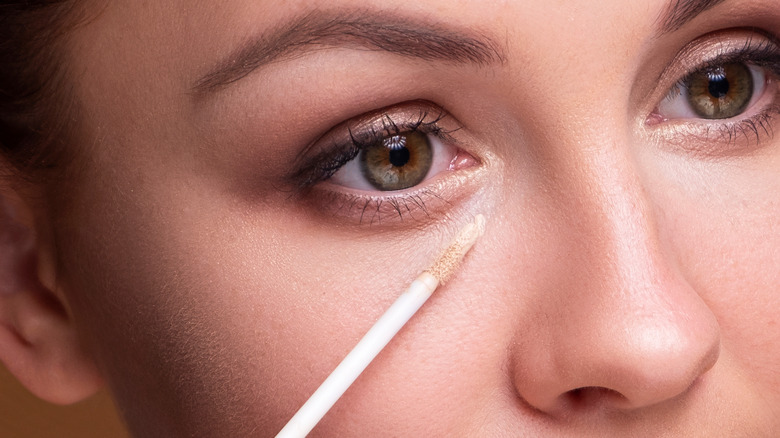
(22, 415)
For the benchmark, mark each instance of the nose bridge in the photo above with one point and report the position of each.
(632, 332)
(617, 258)
(607, 219)
(616, 230)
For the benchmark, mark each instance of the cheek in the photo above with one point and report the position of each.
(209, 317)
(727, 238)
(738, 274)
(180, 306)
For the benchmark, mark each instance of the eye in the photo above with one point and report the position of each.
(715, 92)
(397, 162)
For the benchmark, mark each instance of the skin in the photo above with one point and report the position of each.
(626, 284)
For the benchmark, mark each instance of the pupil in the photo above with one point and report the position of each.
(718, 86)
(399, 157)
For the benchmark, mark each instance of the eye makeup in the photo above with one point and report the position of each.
(726, 100)
(387, 164)
(388, 325)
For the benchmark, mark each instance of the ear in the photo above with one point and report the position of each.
(38, 339)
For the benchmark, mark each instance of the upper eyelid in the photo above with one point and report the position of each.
(746, 54)
(391, 127)
(365, 131)
(723, 44)
(374, 120)
(763, 53)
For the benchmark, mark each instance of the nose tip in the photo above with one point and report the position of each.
(628, 361)
(659, 367)
(665, 362)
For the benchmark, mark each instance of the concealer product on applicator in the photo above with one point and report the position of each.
(382, 332)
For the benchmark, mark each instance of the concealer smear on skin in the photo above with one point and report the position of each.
(448, 262)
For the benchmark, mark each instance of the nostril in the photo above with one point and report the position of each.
(588, 397)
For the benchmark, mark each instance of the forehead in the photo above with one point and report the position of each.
(170, 45)
(195, 32)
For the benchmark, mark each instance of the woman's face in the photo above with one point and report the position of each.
(226, 247)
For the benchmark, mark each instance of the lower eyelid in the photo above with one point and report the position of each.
(427, 202)
(719, 140)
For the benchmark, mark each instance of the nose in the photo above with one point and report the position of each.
(617, 326)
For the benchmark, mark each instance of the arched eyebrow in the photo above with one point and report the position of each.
(680, 12)
(404, 36)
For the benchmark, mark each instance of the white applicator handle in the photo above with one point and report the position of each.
(358, 359)
(381, 333)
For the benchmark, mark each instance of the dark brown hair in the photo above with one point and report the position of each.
(36, 108)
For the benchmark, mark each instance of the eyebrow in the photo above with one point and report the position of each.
(680, 12)
(402, 36)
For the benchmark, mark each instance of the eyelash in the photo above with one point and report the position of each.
(354, 137)
(764, 54)
(324, 165)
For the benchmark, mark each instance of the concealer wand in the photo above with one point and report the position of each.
(382, 332)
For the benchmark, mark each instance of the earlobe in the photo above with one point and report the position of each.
(38, 339)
